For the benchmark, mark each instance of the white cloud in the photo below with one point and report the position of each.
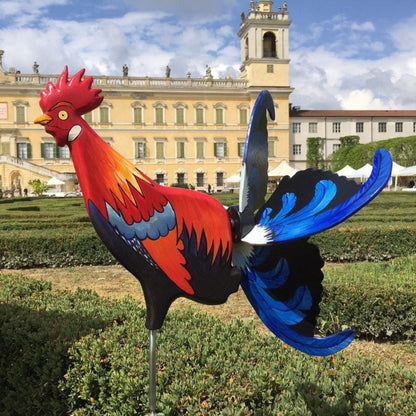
(360, 100)
(404, 34)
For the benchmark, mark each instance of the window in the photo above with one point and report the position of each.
(138, 115)
(382, 127)
(219, 116)
(48, 150)
(243, 115)
(138, 112)
(180, 150)
(220, 179)
(24, 151)
(399, 127)
(271, 148)
(335, 147)
(220, 149)
(359, 127)
(296, 128)
(270, 68)
(20, 114)
(269, 45)
(414, 127)
(88, 117)
(199, 115)
(5, 148)
(336, 127)
(20, 110)
(180, 177)
(140, 150)
(160, 178)
(313, 127)
(64, 153)
(200, 150)
(180, 115)
(297, 149)
(104, 115)
(241, 147)
(159, 115)
(200, 179)
(160, 150)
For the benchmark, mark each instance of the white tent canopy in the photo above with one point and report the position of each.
(396, 169)
(410, 171)
(54, 182)
(348, 172)
(365, 171)
(233, 178)
(283, 169)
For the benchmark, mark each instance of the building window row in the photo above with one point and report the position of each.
(359, 127)
(181, 114)
(220, 148)
(48, 151)
(199, 179)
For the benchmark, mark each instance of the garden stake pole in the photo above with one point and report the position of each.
(152, 373)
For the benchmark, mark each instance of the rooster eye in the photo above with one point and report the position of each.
(63, 115)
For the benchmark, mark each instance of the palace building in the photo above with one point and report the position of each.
(176, 130)
(185, 130)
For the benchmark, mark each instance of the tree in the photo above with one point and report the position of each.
(349, 140)
(341, 157)
(314, 154)
(39, 187)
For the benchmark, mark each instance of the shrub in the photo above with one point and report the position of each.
(77, 353)
(375, 299)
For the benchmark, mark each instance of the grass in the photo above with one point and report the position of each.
(61, 215)
(116, 282)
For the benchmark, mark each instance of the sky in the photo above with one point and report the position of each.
(345, 54)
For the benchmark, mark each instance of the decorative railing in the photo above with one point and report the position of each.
(138, 82)
(32, 167)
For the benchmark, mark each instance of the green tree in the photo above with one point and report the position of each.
(314, 154)
(349, 140)
(341, 157)
(39, 187)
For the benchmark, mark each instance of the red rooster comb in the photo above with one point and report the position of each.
(75, 91)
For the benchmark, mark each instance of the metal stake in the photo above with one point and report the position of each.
(152, 374)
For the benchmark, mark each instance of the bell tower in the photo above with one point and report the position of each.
(264, 36)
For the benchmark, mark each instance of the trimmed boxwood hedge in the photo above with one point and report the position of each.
(79, 354)
(76, 247)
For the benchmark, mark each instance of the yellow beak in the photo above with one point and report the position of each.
(44, 119)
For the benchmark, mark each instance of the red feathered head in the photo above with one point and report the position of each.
(77, 92)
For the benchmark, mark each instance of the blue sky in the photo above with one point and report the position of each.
(346, 54)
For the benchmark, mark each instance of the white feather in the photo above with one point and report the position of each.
(258, 236)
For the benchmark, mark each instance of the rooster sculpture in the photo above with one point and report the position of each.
(179, 242)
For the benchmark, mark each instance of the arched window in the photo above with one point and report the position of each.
(269, 45)
(246, 54)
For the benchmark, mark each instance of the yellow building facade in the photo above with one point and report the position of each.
(176, 130)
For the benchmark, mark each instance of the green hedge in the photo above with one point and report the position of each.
(373, 243)
(76, 353)
(402, 149)
(377, 300)
(58, 233)
(67, 247)
(52, 248)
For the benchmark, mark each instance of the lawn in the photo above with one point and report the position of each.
(71, 351)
